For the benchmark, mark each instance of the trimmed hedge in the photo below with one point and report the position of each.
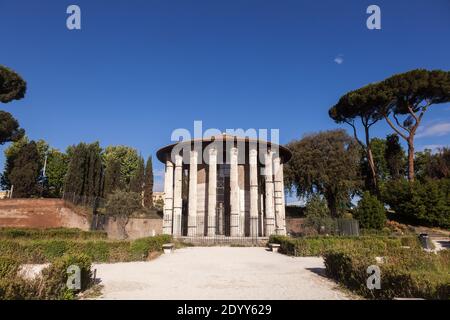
(317, 246)
(41, 251)
(406, 273)
(52, 233)
(52, 284)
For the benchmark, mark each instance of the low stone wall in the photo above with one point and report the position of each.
(135, 228)
(41, 213)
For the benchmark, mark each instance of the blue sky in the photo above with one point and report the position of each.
(137, 70)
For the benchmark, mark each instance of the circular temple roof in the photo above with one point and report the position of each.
(164, 153)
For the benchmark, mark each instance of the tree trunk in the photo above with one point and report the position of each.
(122, 222)
(370, 159)
(372, 167)
(411, 158)
(332, 204)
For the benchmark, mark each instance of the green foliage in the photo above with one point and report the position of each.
(128, 164)
(408, 94)
(85, 169)
(406, 273)
(12, 152)
(113, 179)
(148, 184)
(370, 212)
(52, 284)
(326, 163)
(379, 150)
(122, 203)
(52, 233)
(318, 216)
(29, 250)
(8, 267)
(25, 172)
(424, 203)
(12, 86)
(137, 180)
(140, 248)
(57, 165)
(317, 246)
(9, 128)
(395, 157)
(159, 205)
(359, 106)
(433, 166)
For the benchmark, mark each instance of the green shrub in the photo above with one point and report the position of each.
(8, 267)
(405, 273)
(316, 246)
(370, 212)
(419, 202)
(16, 288)
(52, 284)
(41, 251)
(318, 216)
(54, 277)
(140, 248)
(51, 233)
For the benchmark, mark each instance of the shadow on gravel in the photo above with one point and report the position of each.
(318, 271)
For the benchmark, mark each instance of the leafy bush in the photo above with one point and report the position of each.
(51, 233)
(370, 212)
(140, 248)
(318, 216)
(405, 273)
(53, 284)
(419, 202)
(8, 267)
(316, 246)
(41, 251)
(121, 205)
(16, 288)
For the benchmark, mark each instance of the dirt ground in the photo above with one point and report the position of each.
(218, 273)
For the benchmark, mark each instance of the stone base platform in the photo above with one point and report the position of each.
(224, 241)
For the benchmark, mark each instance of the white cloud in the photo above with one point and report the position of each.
(339, 59)
(434, 130)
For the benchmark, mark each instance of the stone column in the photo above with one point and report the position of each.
(253, 161)
(177, 200)
(234, 193)
(168, 198)
(192, 212)
(278, 196)
(270, 216)
(283, 206)
(212, 191)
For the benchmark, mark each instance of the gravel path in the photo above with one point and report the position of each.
(218, 273)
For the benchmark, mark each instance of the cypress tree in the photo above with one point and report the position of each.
(148, 184)
(113, 179)
(137, 180)
(84, 174)
(25, 173)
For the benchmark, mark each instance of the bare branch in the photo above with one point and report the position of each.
(394, 128)
(398, 123)
(352, 124)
